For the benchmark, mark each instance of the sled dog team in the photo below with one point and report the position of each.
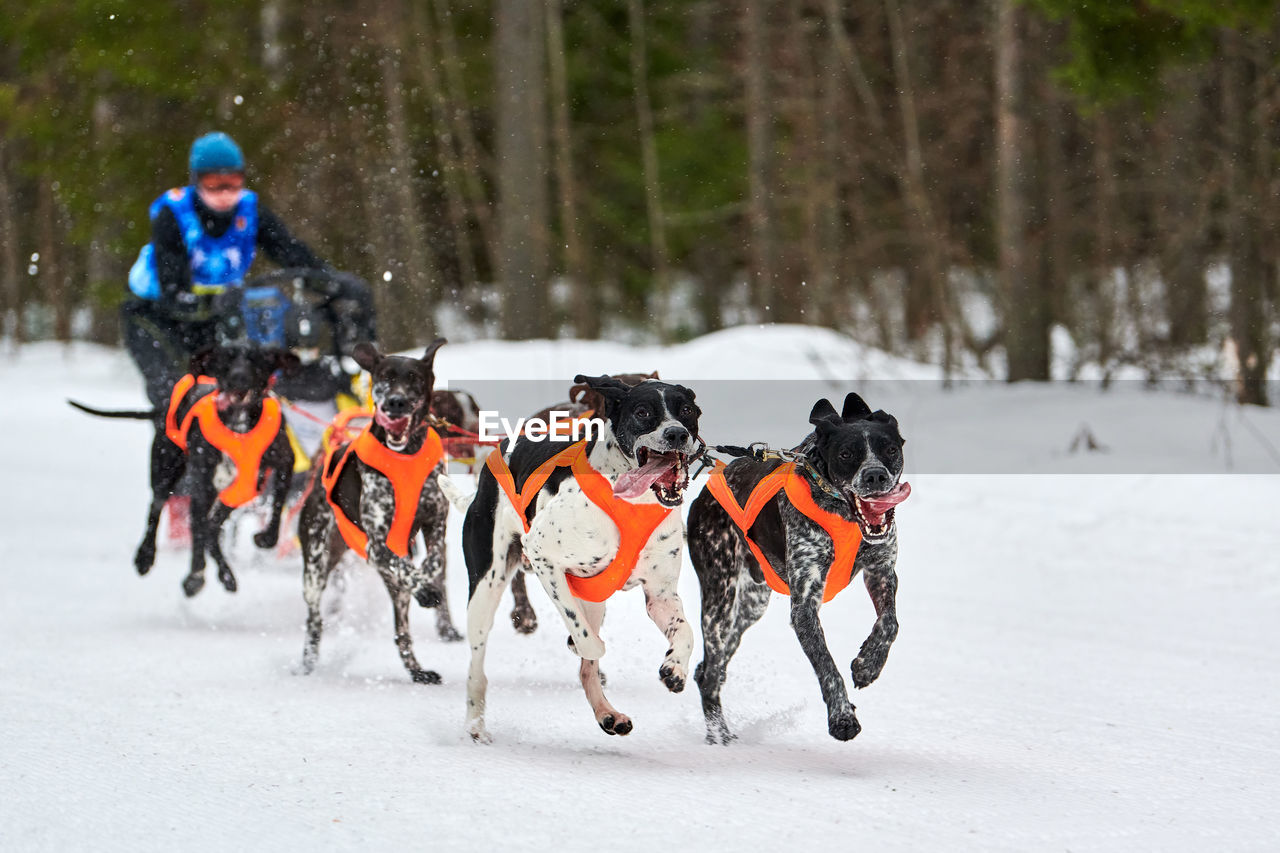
(586, 518)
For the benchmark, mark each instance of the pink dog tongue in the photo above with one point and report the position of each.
(394, 426)
(633, 483)
(875, 508)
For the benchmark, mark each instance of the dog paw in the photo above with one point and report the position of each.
(228, 581)
(448, 633)
(717, 729)
(478, 733)
(844, 726)
(428, 597)
(425, 676)
(865, 671)
(144, 559)
(192, 584)
(524, 620)
(673, 676)
(616, 724)
(267, 538)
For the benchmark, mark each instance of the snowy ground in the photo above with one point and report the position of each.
(1088, 656)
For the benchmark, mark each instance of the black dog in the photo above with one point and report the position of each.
(604, 518)
(849, 468)
(360, 480)
(220, 433)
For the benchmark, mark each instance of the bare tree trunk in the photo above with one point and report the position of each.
(100, 267)
(1106, 249)
(521, 108)
(1248, 266)
(1180, 216)
(10, 292)
(271, 21)
(54, 277)
(472, 165)
(761, 215)
(452, 172)
(927, 236)
(587, 306)
(417, 268)
(829, 266)
(649, 155)
(1026, 315)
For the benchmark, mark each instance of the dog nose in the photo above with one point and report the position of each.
(876, 479)
(675, 435)
(396, 405)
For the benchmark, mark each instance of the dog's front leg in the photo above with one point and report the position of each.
(202, 498)
(281, 479)
(400, 597)
(610, 719)
(216, 519)
(806, 598)
(882, 585)
(667, 612)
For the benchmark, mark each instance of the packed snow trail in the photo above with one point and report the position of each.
(1086, 661)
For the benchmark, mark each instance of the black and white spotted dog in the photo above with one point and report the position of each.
(859, 454)
(242, 374)
(644, 452)
(401, 391)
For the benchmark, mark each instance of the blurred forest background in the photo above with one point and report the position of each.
(993, 183)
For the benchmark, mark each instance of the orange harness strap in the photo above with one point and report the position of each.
(174, 431)
(407, 473)
(845, 535)
(244, 448)
(635, 522)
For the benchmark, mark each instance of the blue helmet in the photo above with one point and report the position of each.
(215, 152)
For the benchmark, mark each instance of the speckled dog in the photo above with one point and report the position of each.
(378, 513)
(831, 516)
(573, 528)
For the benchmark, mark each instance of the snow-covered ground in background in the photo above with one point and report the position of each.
(1088, 656)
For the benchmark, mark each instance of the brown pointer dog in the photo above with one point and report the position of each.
(369, 498)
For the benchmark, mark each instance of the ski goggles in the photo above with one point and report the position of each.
(223, 182)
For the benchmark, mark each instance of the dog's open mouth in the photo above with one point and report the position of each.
(667, 474)
(227, 399)
(875, 513)
(397, 429)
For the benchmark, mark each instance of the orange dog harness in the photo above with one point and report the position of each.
(245, 449)
(845, 535)
(635, 522)
(407, 473)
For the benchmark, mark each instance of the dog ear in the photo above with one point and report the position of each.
(654, 375)
(366, 355)
(822, 411)
(430, 355)
(606, 385)
(612, 390)
(855, 408)
(883, 417)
